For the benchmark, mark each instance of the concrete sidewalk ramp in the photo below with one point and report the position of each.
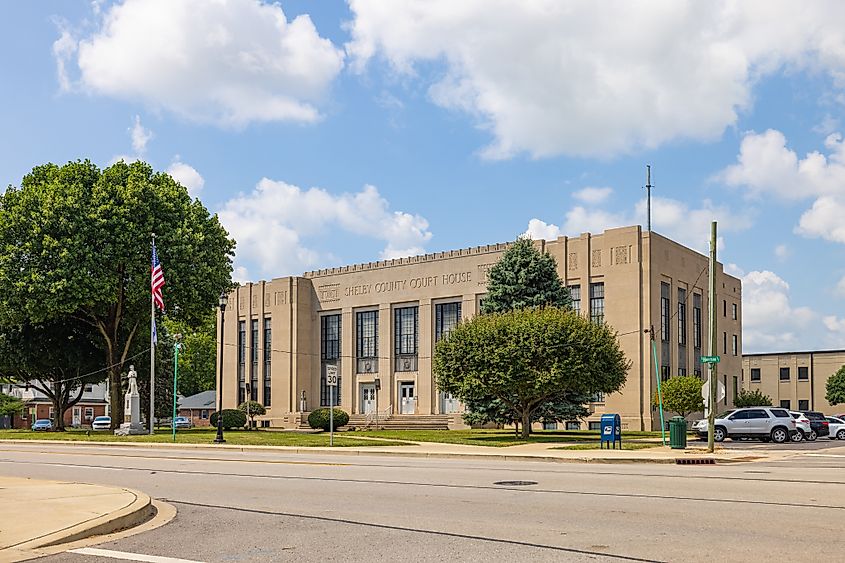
(41, 514)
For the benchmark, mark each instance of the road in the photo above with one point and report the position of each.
(271, 506)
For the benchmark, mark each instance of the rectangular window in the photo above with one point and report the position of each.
(733, 311)
(736, 388)
(597, 398)
(241, 361)
(204, 414)
(573, 425)
(696, 332)
(803, 404)
(89, 413)
(665, 312)
(89, 388)
(755, 374)
(268, 346)
(725, 343)
(329, 354)
(575, 296)
(784, 374)
(785, 404)
(665, 372)
(594, 425)
(366, 341)
(724, 308)
(803, 373)
(406, 328)
(253, 368)
(446, 317)
(734, 344)
(682, 317)
(597, 302)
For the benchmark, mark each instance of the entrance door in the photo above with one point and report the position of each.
(368, 398)
(407, 400)
(77, 416)
(448, 403)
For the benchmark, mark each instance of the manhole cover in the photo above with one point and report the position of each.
(515, 483)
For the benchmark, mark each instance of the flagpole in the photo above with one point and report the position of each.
(152, 348)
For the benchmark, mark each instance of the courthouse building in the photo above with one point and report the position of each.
(379, 323)
(794, 380)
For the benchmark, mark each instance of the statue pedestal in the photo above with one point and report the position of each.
(129, 429)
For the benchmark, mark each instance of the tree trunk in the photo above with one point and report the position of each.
(526, 424)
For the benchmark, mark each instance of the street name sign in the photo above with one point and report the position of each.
(710, 359)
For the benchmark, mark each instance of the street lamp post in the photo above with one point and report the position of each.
(219, 439)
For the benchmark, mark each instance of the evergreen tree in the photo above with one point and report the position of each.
(524, 277)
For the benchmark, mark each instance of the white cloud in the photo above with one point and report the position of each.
(140, 136)
(229, 63)
(592, 195)
(769, 320)
(824, 219)
(766, 167)
(273, 222)
(583, 78)
(188, 176)
(840, 287)
(540, 230)
(782, 252)
(672, 218)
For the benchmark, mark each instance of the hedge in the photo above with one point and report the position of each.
(232, 418)
(320, 418)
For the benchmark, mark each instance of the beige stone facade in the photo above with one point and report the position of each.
(630, 278)
(794, 380)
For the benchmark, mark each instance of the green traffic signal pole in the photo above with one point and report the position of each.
(175, 378)
(659, 391)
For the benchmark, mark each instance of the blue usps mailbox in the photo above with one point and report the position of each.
(611, 431)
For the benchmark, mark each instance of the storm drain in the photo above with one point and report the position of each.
(696, 461)
(515, 483)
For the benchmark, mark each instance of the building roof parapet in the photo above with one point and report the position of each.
(407, 260)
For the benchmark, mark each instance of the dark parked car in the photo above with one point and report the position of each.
(818, 422)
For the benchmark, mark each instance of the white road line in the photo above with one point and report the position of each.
(129, 556)
(825, 455)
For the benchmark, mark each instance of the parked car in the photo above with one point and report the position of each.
(763, 423)
(182, 422)
(818, 422)
(803, 428)
(101, 423)
(837, 428)
(42, 424)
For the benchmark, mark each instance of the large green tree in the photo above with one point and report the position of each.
(75, 241)
(10, 405)
(527, 358)
(524, 277)
(681, 395)
(57, 358)
(835, 388)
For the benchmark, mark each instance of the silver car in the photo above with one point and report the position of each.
(764, 423)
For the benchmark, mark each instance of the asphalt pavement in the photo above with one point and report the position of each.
(271, 506)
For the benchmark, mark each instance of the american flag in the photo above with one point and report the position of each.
(157, 280)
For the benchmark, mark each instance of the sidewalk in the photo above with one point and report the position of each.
(551, 452)
(41, 514)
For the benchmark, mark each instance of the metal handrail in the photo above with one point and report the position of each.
(382, 415)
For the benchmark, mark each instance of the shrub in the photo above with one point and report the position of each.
(754, 398)
(320, 418)
(232, 418)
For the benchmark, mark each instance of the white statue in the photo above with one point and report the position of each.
(132, 407)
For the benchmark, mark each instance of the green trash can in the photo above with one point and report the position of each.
(678, 433)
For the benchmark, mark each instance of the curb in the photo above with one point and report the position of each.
(343, 451)
(137, 512)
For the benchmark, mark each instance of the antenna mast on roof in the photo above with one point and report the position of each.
(648, 187)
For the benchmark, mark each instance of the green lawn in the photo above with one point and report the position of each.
(205, 436)
(494, 438)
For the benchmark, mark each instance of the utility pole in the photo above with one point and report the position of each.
(711, 398)
(648, 187)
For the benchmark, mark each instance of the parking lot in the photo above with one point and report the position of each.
(820, 444)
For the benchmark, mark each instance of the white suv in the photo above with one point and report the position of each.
(763, 423)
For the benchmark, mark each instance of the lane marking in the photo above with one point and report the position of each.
(126, 556)
(826, 455)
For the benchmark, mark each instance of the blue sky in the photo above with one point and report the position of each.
(327, 133)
